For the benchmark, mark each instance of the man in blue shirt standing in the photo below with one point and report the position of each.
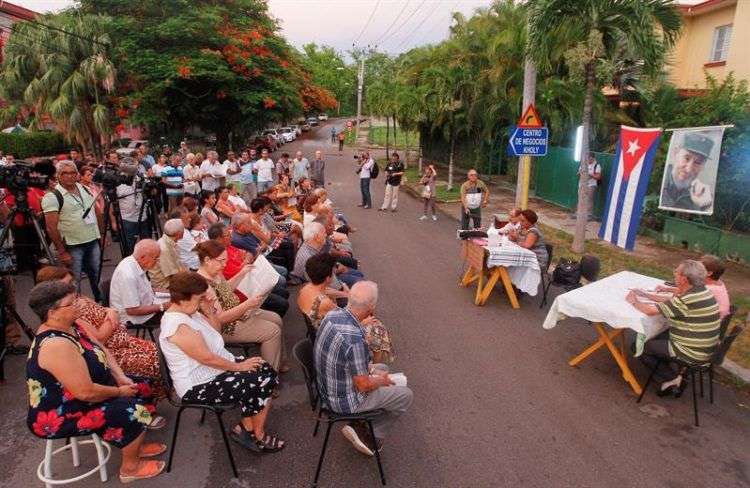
(347, 381)
(247, 175)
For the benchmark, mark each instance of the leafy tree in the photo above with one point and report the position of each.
(329, 70)
(61, 68)
(602, 36)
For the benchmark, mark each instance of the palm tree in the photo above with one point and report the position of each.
(601, 34)
(62, 71)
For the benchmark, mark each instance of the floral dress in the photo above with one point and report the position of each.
(54, 413)
(136, 357)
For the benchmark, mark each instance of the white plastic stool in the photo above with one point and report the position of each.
(44, 472)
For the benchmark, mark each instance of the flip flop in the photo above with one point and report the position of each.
(157, 423)
(152, 449)
(146, 470)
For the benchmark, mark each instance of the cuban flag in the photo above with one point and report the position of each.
(628, 185)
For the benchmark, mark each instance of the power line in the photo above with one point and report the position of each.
(450, 17)
(388, 30)
(408, 36)
(50, 27)
(407, 19)
(367, 24)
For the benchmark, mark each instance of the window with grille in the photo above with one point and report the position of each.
(720, 45)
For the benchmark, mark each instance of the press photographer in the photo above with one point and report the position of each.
(73, 224)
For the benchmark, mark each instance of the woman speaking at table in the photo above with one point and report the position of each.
(530, 237)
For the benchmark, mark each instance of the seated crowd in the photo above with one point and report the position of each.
(218, 278)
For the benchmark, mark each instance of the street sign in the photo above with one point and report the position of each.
(529, 141)
(530, 118)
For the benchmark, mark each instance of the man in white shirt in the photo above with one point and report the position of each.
(130, 292)
(264, 168)
(212, 172)
(595, 175)
(365, 166)
(300, 168)
(233, 169)
(130, 200)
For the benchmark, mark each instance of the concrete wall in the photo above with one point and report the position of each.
(692, 54)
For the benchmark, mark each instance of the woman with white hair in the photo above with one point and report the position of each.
(191, 176)
(694, 323)
(169, 257)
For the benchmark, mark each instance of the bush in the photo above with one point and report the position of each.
(32, 144)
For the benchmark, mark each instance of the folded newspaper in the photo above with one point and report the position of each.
(260, 280)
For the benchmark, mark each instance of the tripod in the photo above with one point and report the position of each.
(5, 313)
(149, 207)
(22, 208)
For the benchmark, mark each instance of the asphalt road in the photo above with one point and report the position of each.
(495, 405)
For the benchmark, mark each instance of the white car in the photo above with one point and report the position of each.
(130, 148)
(323, 117)
(288, 134)
(275, 134)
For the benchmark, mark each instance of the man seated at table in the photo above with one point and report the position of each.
(131, 293)
(347, 380)
(693, 317)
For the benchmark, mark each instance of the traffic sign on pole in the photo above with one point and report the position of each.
(530, 118)
(531, 141)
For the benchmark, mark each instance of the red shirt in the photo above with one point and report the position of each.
(33, 196)
(235, 259)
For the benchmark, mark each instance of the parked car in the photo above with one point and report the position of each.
(260, 142)
(288, 134)
(305, 127)
(323, 117)
(313, 121)
(297, 129)
(276, 135)
(130, 147)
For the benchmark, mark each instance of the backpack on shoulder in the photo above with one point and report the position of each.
(374, 171)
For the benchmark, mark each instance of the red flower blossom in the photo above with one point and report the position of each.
(47, 423)
(85, 343)
(122, 113)
(284, 64)
(91, 420)
(144, 389)
(67, 395)
(113, 434)
(256, 35)
(120, 128)
(184, 71)
(269, 102)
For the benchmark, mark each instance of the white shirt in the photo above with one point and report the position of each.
(237, 201)
(211, 173)
(130, 288)
(233, 165)
(366, 167)
(593, 168)
(130, 202)
(157, 169)
(185, 371)
(191, 172)
(265, 169)
(185, 246)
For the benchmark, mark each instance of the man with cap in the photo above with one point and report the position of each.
(682, 189)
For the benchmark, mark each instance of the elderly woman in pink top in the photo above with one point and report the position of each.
(715, 269)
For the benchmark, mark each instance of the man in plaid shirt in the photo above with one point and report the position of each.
(347, 382)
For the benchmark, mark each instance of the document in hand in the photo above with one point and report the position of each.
(260, 280)
(399, 379)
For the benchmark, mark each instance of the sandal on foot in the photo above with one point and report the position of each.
(152, 449)
(247, 440)
(284, 368)
(157, 423)
(270, 443)
(146, 469)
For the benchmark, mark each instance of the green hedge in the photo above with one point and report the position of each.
(32, 144)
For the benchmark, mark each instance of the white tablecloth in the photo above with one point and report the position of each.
(604, 301)
(522, 265)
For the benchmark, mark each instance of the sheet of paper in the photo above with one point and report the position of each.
(260, 280)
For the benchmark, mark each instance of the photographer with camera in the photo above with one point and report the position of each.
(73, 224)
(130, 200)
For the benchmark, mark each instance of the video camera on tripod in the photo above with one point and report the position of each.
(18, 178)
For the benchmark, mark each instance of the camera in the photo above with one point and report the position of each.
(110, 177)
(149, 185)
(19, 177)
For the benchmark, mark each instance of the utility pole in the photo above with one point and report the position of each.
(524, 162)
(360, 82)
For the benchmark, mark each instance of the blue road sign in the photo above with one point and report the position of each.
(529, 141)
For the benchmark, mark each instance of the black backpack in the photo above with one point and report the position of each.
(567, 274)
(374, 171)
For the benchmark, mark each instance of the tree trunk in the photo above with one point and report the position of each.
(395, 136)
(582, 210)
(387, 137)
(222, 140)
(450, 158)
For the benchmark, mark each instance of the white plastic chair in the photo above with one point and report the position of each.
(44, 472)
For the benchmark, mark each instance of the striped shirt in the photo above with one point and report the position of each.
(694, 324)
(305, 252)
(340, 354)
